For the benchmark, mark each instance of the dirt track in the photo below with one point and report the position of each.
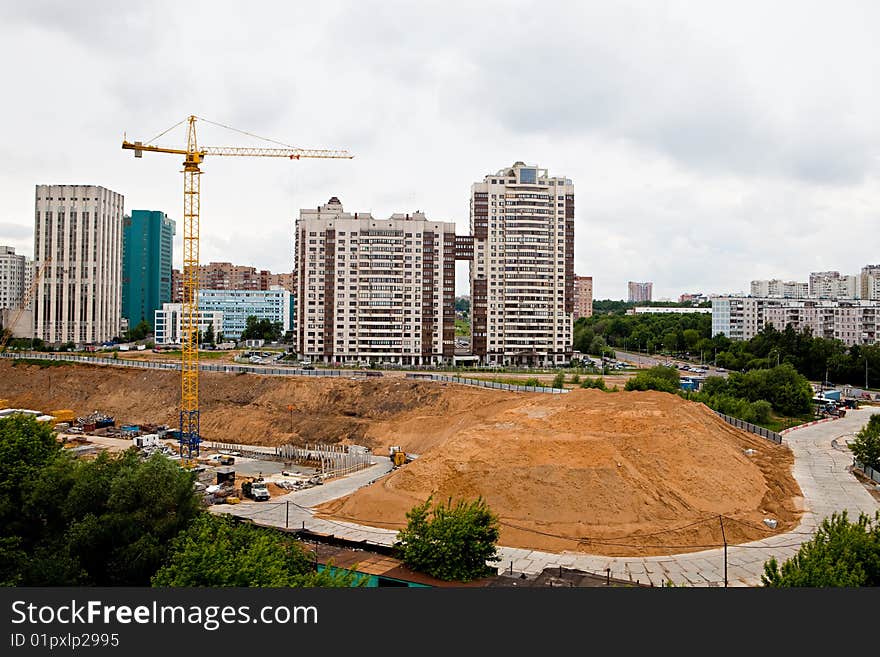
(608, 473)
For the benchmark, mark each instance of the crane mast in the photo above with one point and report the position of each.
(190, 431)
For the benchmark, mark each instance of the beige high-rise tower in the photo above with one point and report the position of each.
(522, 273)
(79, 297)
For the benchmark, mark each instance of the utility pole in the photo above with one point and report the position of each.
(724, 538)
(866, 372)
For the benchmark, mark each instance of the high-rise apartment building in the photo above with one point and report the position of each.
(226, 276)
(13, 277)
(374, 290)
(147, 251)
(869, 282)
(79, 298)
(287, 281)
(640, 291)
(583, 296)
(522, 272)
(777, 288)
(176, 286)
(823, 284)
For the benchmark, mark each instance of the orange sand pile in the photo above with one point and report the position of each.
(606, 473)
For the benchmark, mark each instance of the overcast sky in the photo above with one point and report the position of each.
(710, 143)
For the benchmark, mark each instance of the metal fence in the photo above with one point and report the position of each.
(160, 365)
(485, 384)
(751, 428)
(870, 473)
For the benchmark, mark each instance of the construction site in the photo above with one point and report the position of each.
(624, 473)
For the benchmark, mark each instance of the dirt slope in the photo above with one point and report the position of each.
(607, 473)
(248, 408)
(623, 472)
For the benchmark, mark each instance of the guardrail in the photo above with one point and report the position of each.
(485, 384)
(870, 473)
(161, 365)
(751, 428)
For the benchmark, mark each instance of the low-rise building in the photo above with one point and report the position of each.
(167, 321)
(275, 305)
(852, 321)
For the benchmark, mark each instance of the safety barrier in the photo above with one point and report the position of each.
(160, 365)
(870, 473)
(751, 428)
(485, 384)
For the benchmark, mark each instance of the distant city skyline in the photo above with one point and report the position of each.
(745, 152)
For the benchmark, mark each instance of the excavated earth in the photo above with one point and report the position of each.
(625, 473)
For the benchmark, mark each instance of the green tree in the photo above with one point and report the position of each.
(866, 446)
(559, 380)
(842, 553)
(209, 334)
(450, 541)
(261, 329)
(659, 377)
(218, 551)
(26, 448)
(139, 332)
(598, 383)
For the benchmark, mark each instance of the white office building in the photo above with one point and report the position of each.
(522, 272)
(79, 297)
(14, 277)
(168, 319)
(375, 290)
(275, 305)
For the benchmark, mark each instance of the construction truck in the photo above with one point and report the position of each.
(256, 490)
(398, 456)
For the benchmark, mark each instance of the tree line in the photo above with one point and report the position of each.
(690, 335)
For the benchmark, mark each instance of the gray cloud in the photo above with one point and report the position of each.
(710, 143)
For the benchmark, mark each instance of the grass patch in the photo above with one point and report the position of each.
(39, 362)
(203, 355)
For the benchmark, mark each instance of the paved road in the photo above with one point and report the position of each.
(820, 469)
(645, 361)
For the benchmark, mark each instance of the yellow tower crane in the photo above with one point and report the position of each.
(189, 438)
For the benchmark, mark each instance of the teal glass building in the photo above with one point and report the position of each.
(147, 252)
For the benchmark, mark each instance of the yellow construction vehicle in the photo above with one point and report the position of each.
(398, 456)
(194, 155)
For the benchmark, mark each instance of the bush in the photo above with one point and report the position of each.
(532, 383)
(598, 383)
(450, 542)
(217, 551)
(659, 377)
(559, 380)
(866, 446)
(842, 553)
(576, 379)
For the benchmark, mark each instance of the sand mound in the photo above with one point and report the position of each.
(622, 473)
